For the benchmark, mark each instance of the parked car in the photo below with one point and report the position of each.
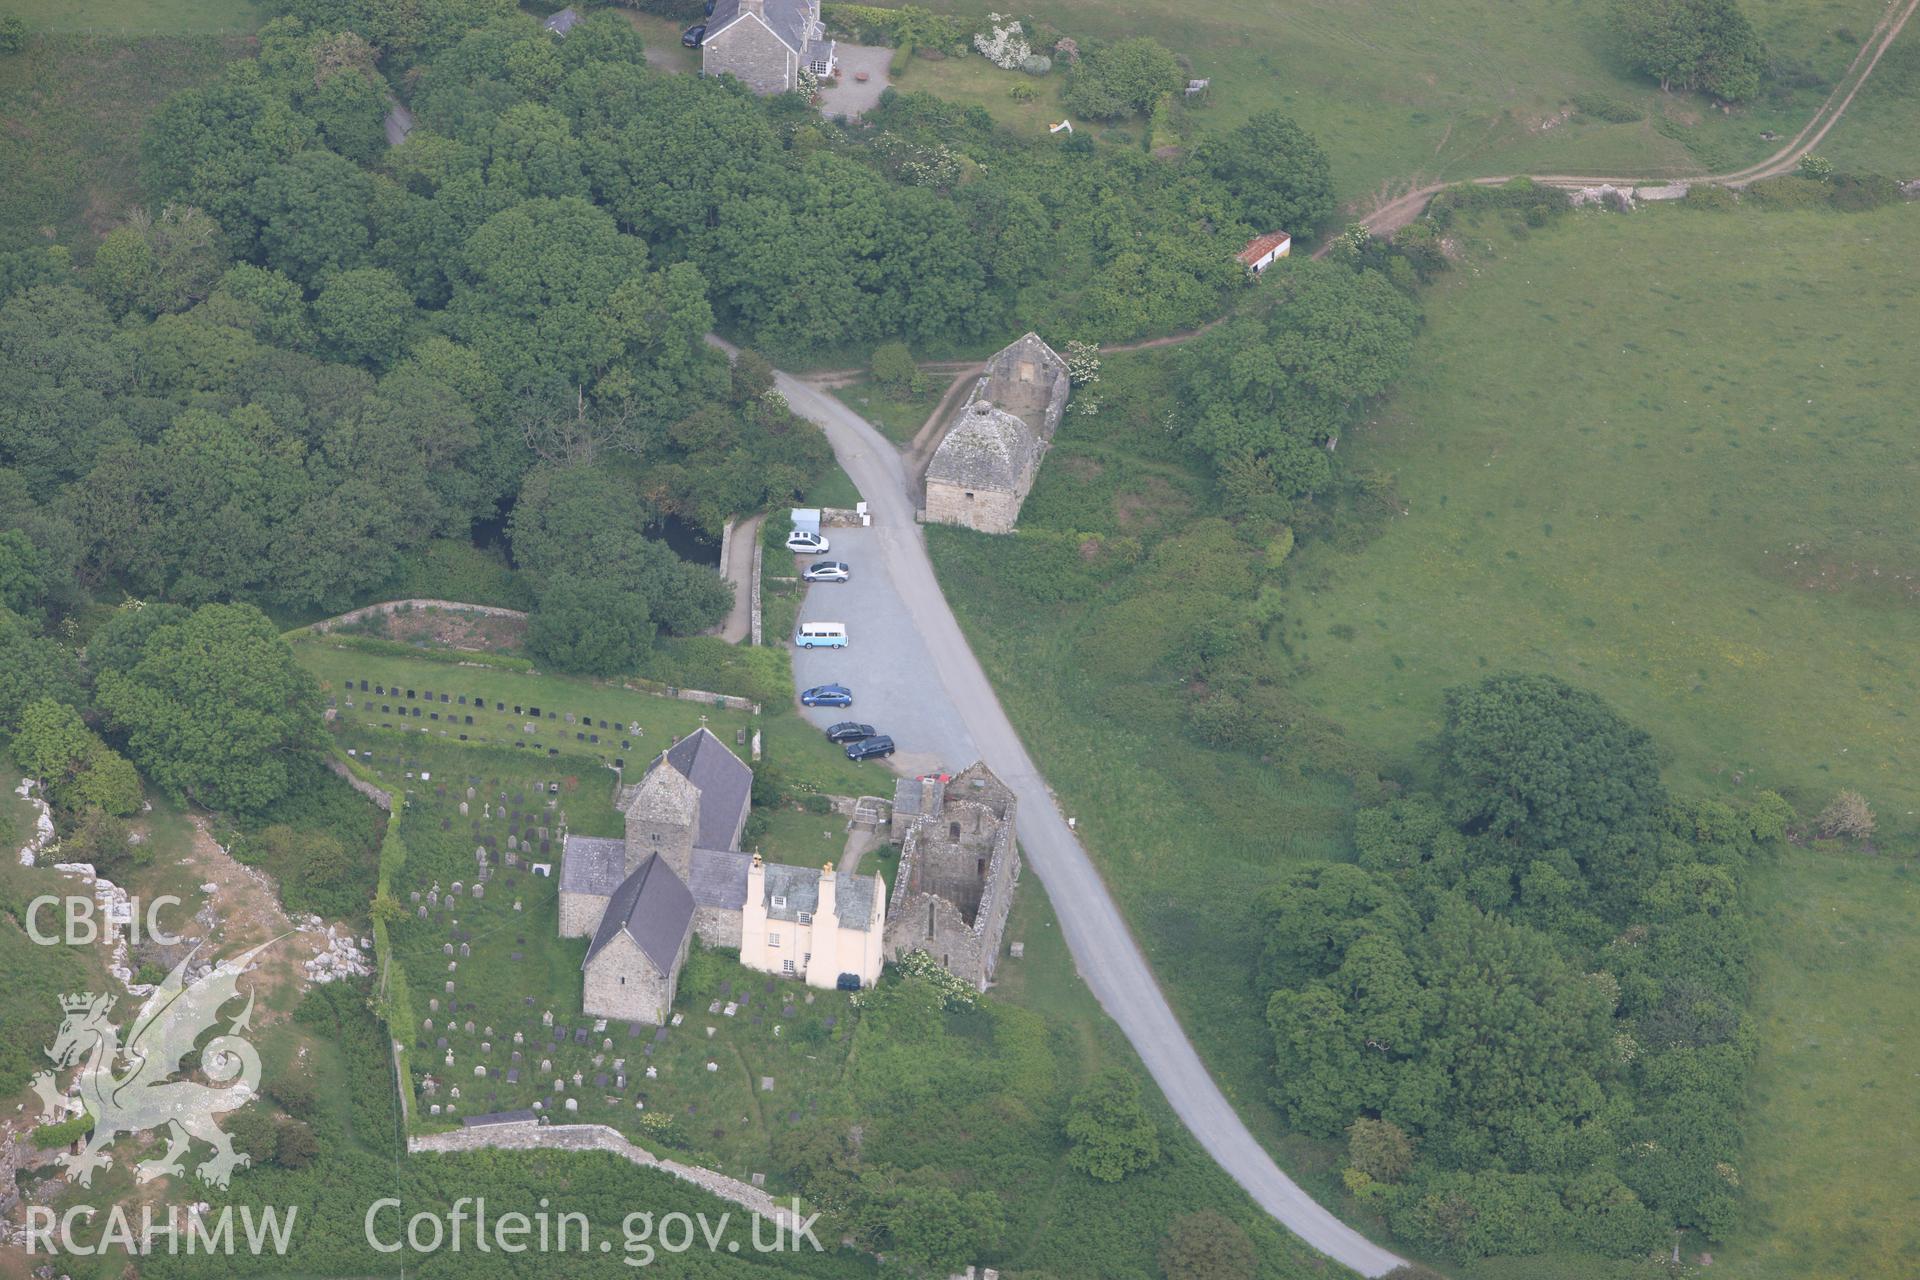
(693, 35)
(870, 748)
(827, 571)
(848, 731)
(827, 695)
(805, 543)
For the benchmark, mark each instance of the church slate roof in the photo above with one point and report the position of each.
(592, 864)
(987, 448)
(719, 878)
(725, 783)
(653, 908)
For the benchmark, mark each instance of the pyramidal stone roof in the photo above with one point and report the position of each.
(987, 448)
(665, 795)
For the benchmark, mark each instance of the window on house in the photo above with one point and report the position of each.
(779, 900)
(773, 939)
(623, 979)
(786, 968)
(953, 831)
(806, 917)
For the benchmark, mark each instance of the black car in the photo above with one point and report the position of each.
(870, 748)
(848, 731)
(693, 35)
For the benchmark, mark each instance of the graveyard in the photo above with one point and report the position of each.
(483, 808)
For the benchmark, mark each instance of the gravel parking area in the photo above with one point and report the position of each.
(885, 663)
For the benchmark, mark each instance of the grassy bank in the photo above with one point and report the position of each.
(74, 104)
(1657, 456)
(1455, 88)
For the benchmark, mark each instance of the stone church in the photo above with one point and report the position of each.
(679, 871)
(986, 463)
(958, 869)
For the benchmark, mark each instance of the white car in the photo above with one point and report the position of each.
(806, 543)
(827, 571)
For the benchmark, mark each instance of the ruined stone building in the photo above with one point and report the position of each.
(679, 872)
(958, 868)
(986, 463)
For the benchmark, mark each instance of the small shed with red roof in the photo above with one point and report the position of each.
(1262, 250)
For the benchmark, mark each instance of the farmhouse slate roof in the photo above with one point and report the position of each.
(800, 888)
(988, 448)
(653, 908)
(789, 19)
(563, 21)
(592, 864)
(725, 783)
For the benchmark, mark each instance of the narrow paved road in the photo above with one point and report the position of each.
(1104, 950)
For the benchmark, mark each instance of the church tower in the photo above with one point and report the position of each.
(661, 818)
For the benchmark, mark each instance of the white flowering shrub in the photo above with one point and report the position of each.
(1083, 362)
(956, 993)
(1007, 47)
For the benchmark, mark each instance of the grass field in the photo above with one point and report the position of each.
(1450, 88)
(1833, 1150)
(141, 17)
(74, 106)
(1687, 488)
(1617, 439)
(898, 420)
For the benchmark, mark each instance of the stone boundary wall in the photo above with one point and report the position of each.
(726, 542)
(659, 690)
(391, 607)
(525, 1136)
(381, 799)
(759, 554)
(842, 518)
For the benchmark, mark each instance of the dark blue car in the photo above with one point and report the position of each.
(827, 695)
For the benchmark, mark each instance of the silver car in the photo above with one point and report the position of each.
(827, 571)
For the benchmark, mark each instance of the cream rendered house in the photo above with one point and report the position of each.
(813, 925)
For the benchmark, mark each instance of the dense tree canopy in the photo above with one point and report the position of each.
(1275, 171)
(1525, 1047)
(1122, 78)
(213, 709)
(1692, 44)
(1265, 394)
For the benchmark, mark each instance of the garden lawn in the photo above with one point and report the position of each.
(1662, 457)
(74, 106)
(1443, 89)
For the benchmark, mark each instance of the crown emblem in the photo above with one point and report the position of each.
(79, 1002)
